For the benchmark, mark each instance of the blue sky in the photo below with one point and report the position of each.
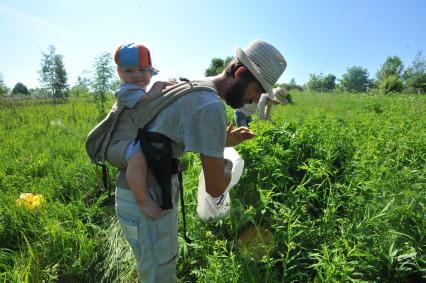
(183, 36)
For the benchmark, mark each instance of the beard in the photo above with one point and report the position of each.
(234, 97)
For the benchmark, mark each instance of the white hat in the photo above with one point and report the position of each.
(264, 61)
(280, 95)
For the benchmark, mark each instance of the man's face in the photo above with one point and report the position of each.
(243, 92)
(139, 76)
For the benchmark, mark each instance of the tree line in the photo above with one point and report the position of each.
(392, 77)
(97, 83)
(53, 78)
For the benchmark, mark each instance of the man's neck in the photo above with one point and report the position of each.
(221, 83)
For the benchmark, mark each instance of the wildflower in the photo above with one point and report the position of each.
(57, 123)
(30, 201)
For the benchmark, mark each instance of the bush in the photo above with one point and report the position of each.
(20, 89)
(391, 84)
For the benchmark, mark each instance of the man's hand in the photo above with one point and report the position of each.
(235, 136)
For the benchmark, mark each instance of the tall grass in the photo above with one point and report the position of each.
(333, 192)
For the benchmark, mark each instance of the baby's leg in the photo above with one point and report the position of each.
(136, 174)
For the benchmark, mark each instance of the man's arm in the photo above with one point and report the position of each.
(217, 171)
(268, 110)
(217, 178)
(261, 106)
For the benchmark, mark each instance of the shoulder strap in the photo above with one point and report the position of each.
(152, 107)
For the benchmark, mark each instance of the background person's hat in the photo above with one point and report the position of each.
(134, 55)
(264, 61)
(280, 95)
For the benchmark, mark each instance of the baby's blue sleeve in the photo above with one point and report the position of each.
(133, 148)
(129, 95)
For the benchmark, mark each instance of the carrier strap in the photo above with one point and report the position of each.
(163, 166)
(103, 178)
(182, 206)
(159, 160)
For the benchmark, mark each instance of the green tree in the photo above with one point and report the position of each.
(389, 77)
(415, 75)
(40, 92)
(20, 88)
(60, 86)
(313, 83)
(217, 65)
(81, 87)
(321, 83)
(355, 79)
(392, 66)
(390, 84)
(329, 82)
(292, 85)
(3, 88)
(53, 75)
(103, 80)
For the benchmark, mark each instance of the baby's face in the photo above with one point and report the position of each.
(139, 76)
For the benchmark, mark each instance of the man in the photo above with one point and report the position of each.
(196, 122)
(243, 115)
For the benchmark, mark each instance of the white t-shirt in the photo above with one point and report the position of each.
(249, 109)
(263, 108)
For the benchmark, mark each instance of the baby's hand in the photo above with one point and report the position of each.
(160, 86)
(150, 208)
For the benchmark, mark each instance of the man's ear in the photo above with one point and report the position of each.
(239, 71)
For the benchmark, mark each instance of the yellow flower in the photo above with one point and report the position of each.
(30, 201)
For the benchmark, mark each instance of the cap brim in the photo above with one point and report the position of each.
(153, 71)
(249, 64)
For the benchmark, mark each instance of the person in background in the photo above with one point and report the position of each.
(243, 115)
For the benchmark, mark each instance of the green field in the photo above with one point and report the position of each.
(334, 192)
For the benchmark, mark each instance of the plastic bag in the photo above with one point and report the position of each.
(207, 209)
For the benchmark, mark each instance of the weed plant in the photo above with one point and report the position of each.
(332, 191)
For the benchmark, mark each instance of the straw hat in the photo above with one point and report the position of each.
(264, 61)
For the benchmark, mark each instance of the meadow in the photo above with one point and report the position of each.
(333, 191)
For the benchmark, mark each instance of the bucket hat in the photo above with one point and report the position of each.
(280, 95)
(264, 61)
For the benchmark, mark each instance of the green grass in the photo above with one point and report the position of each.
(339, 182)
